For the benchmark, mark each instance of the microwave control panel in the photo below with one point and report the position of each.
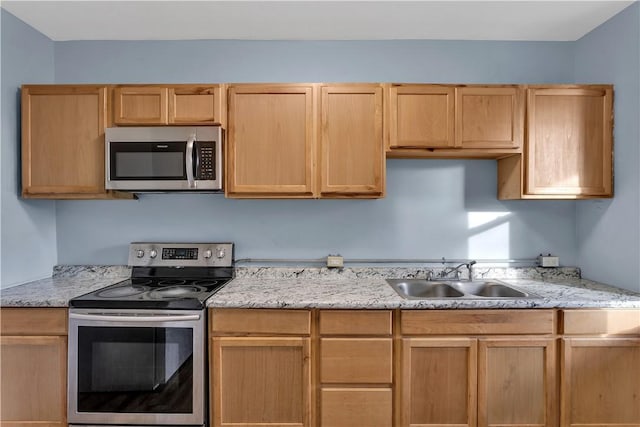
(206, 160)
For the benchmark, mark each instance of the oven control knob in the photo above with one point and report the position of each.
(220, 253)
(139, 253)
(153, 253)
(208, 254)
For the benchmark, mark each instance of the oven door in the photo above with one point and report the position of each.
(136, 367)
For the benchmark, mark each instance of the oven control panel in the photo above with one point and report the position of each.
(147, 254)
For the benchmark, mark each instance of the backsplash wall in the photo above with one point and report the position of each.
(433, 208)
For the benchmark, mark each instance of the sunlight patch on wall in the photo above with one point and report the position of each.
(489, 235)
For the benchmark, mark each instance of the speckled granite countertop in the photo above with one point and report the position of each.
(348, 288)
(367, 288)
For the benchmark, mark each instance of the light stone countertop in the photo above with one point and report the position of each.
(274, 287)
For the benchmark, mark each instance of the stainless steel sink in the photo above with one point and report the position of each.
(427, 289)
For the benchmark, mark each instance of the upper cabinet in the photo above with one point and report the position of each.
(569, 146)
(351, 145)
(168, 105)
(421, 116)
(63, 141)
(489, 117)
(270, 141)
(454, 121)
(305, 140)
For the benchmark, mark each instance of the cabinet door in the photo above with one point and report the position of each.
(34, 381)
(140, 105)
(352, 153)
(270, 141)
(63, 140)
(489, 117)
(600, 382)
(421, 116)
(261, 382)
(517, 382)
(569, 149)
(194, 105)
(439, 382)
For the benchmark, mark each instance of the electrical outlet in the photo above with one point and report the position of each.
(548, 261)
(335, 261)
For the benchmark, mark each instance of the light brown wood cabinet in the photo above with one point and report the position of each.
(454, 375)
(600, 362)
(270, 141)
(63, 141)
(568, 154)
(351, 160)
(305, 141)
(356, 368)
(454, 121)
(33, 344)
(262, 378)
(168, 105)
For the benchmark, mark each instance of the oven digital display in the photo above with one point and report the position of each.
(180, 253)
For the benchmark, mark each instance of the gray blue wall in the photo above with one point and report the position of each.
(609, 230)
(433, 208)
(28, 227)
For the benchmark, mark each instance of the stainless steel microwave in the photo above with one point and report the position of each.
(157, 159)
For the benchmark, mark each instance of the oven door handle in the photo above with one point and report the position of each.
(141, 319)
(189, 160)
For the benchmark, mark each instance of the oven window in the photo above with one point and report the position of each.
(135, 370)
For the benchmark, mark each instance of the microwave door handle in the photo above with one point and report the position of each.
(189, 160)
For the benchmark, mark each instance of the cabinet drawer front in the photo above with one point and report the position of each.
(601, 322)
(349, 407)
(33, 321)
(355, 322)
(363, 360)
(260, 321)
(473, 322)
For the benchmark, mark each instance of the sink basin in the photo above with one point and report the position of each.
(426, 289)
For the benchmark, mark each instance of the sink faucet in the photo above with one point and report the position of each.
(456, 270)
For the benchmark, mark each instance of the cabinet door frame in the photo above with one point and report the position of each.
(607, 143)
(54, 341)
(405, 376)
(214, 91)
(517, 125)
(218, 343)
(163, 115)
(327, 189)
(28, 189)
(566, 371)
(305, 190)
(550, 380)
(394, 142)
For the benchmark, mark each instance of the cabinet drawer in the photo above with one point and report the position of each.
(472, 322)
(601, 322)
(260, 321)
(355, 322)
(363, 360)
(349, 407)
(33, 321)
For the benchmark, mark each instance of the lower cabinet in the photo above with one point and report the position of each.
(600, 362)
(260, 380)
(458, 371)
(33, 367)
(356, 368)
(471, 368)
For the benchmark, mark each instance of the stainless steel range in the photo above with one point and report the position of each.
(137, 349)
